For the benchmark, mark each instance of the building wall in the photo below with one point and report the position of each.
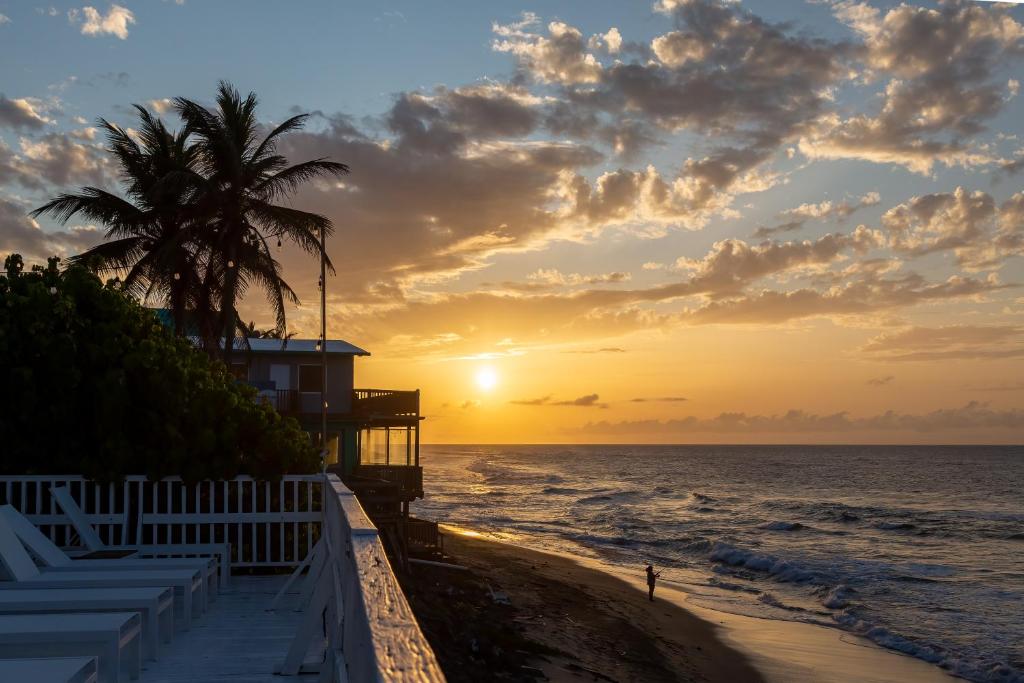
(340, 376)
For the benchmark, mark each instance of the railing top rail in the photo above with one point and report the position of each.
(399, 651)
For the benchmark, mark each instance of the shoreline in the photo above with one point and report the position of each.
(592, 625)
(695, 643)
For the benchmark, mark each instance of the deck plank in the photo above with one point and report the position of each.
(236, 640)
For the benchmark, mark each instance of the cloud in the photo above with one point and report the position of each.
(20, 234)
(553, 276)
(871, 294)
(4, 19)
(606, 349)
(22, 113)
(980, 234)
(588, 401)
(795, 218)
(161, 106)
(559, 57)
(940, 64)
(62, 160)
(732, 264)
(972, 416)
(1013, 386)
(610, 41)
(661, 399)
(966, 342)
(94, 23)
(880, 381)
(754, 87)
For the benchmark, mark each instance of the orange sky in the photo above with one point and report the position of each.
(689, 221)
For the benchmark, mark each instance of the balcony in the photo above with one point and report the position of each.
(284, 401)
(385, 402)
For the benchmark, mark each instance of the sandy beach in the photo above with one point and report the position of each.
(591, 625)
(583, 622)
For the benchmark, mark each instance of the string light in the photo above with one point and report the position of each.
(177, 276)
(231, 264)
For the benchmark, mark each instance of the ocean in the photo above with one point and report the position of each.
(918, 548)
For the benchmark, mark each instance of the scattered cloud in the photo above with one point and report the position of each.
(661, 399)
(940, 65)
(161, 106)
(881, 381)
(552, 276)
(588, 401)
(1012, 386)
(21, 234)
(967, 342)
(94, 23)
(970, 224)
(794, 219)
(606, 349)
(23, 114)
(972, 416)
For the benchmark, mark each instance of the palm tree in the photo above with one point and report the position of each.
(239, 178)
(150, 233)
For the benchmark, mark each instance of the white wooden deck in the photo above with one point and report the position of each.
(236, 641)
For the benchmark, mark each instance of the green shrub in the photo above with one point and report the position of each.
(95, 385)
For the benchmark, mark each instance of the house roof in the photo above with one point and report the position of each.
(334, 346)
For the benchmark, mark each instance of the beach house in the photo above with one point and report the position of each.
(367, 429)
(373, 435)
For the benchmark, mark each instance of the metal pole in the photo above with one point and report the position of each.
(323, 349)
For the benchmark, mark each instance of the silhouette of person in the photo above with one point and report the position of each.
(651, 576)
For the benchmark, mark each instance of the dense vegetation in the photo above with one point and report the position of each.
(95, 385)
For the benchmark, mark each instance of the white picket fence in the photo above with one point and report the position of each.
(268, 524)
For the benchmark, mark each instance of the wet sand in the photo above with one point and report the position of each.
(604, 624)
(601, 627)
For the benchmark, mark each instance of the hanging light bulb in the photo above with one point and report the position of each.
(231, 264)
(53, 290)
(317, 344)
(177, 276)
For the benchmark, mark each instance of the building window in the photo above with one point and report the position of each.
(310, 379)
(240, 371)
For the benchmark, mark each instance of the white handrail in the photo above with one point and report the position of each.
(379, 637)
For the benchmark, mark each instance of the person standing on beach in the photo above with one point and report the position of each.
(651, 576)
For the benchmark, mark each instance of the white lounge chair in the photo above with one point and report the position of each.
(92, 540)
(50, 670)
(115, 639)
(187, 583)
(55, 559)
(154, 605)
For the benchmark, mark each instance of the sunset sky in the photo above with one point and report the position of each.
(692, 221)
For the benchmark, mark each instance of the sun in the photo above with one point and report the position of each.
(486, 378)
